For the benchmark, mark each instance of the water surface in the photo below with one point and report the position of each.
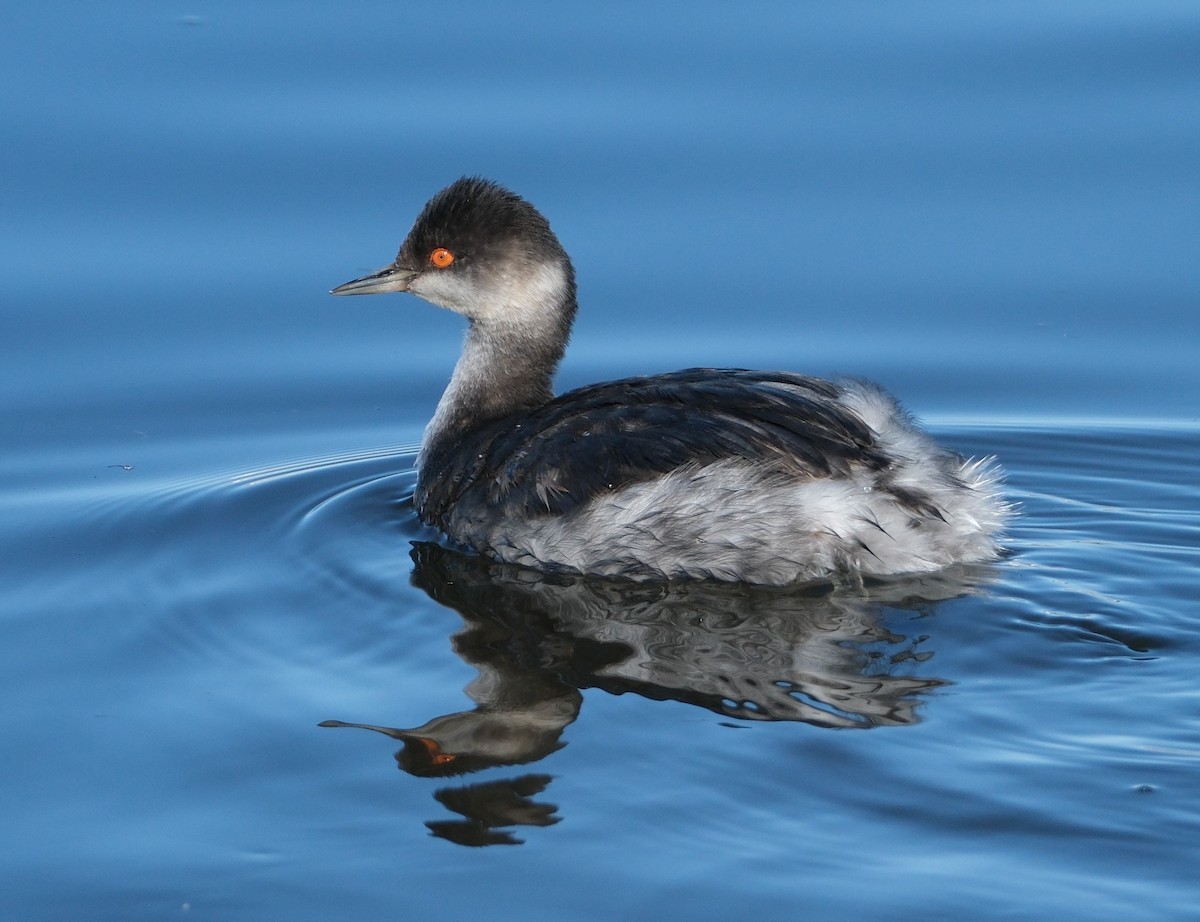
(205, 521)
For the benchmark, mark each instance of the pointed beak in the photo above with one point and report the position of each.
(390, 278)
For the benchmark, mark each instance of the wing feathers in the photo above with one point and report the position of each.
(607, 436)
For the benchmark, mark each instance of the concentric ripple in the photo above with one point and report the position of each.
(226, 567)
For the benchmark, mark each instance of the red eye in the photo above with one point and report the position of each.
(441, 257)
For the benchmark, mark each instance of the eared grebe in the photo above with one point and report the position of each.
(761, 477)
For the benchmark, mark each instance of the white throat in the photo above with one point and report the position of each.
(519, 327)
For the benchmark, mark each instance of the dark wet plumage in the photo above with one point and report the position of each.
(604, 437)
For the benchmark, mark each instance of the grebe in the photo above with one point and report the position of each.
(761, 477)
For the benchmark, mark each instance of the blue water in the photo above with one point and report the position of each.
(205, 529)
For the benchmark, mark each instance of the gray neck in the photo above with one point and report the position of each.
(503, 369)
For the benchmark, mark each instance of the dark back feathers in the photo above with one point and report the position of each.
(608, 436)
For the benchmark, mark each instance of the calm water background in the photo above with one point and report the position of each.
(993, 209)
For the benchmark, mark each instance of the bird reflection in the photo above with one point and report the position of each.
(817, 655)
(489, 807)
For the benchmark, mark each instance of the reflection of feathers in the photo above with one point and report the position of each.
(502, 803)
(487, 806)
(822, 657)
